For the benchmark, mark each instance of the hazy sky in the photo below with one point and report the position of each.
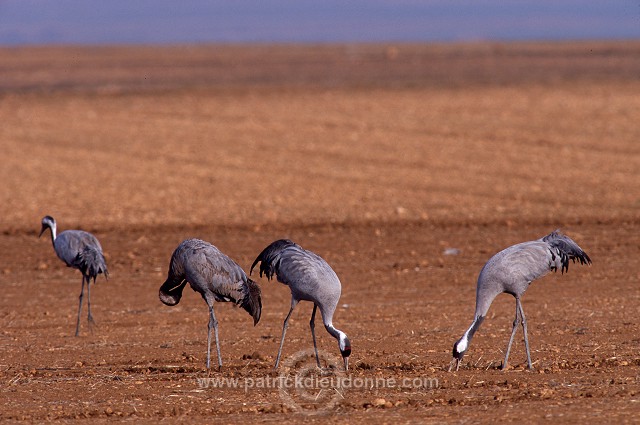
(187, 21)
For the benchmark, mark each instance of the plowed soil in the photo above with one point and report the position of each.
(405, 166)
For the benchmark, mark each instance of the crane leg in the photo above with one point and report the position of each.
(89, 317)
(524, 329)
(313, 332)
(213, 323)
(284, 330)
(516, 322)
(80, 307)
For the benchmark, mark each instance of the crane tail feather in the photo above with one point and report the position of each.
(269, 258)
(567, 249)
(91, 262)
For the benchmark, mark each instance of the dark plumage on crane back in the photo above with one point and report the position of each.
(269, 258)
(512, 270)
(91, 263)
(565, 248)
(309, 278)
(216, 277)
(80, 250)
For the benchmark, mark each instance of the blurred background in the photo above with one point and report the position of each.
(444, 88)
(308, 21)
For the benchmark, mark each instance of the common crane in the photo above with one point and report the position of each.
(309, 278)
(216, 277)
(80, 250)
(512, 270)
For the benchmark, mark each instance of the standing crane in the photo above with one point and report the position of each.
(216, 277)
(80, 250)
(309, 278)
(512, 270)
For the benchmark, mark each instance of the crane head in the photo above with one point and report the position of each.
(459, 348)
(47, 223)
(345, 349)
(171, 291)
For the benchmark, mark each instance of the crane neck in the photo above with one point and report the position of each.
(460, 347)
(485, 294)
(333, 331)
(475, 325)
(53, 235)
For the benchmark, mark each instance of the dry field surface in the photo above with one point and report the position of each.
(382, 159)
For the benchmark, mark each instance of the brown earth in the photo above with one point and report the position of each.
(380, 159)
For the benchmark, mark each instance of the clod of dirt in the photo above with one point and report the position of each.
(380, 403)
(253, 356)
(364, 366)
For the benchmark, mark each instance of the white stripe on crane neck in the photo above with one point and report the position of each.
(462, 345)
(342, 342)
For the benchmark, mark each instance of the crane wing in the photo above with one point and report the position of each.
(81, 250)
(211, 273)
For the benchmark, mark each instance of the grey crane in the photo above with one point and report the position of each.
(80, 250)
(512, 270)
(309, 278)
(216, 277)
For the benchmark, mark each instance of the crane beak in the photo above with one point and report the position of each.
(346, 363)
(455, 362)
(42, 230)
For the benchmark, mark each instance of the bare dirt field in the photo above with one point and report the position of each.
(383, 160)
